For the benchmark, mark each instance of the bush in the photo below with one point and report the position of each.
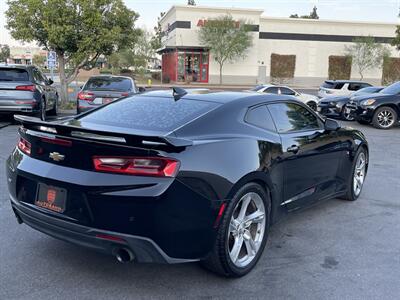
(339, 67)
(391, 70)
(126, 71)
(282, 67)
(166, 79)
(106, 71)
(156, 75)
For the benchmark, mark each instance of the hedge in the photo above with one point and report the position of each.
(339, 67)
(391, 70)
(282, 67)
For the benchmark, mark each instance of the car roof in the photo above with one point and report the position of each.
(222, 97)
(109, 76)
(345, 81)
(274, 85)
(15, 66)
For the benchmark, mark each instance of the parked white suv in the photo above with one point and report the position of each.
(340, 87)
(311, 100)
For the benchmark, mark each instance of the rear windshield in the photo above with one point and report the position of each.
(332, 85)
(368, 90)
(147, 113)
(393, 89)
(8, 74)
(257, 88)
(328, 85)
(109, 84)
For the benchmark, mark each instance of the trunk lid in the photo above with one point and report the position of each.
(8, 91)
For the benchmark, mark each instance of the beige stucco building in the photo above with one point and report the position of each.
(312, 41)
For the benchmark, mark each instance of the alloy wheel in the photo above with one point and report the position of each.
(359, 174)
(348, 116)
(385, 118)
(246, 229)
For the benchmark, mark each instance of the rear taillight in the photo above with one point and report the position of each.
(24, 146)
(140, 166)
(86, 96)
(124, 94)
(30, 88)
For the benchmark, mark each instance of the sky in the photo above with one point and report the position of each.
(351, 10)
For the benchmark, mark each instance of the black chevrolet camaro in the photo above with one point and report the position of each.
(176, 177)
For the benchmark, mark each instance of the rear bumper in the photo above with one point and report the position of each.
(144, 249)
(149, 213)
(84, 106)
(18, 108)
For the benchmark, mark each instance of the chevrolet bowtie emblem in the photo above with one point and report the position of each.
(56, 156)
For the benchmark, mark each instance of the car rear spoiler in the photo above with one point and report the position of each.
(72, 131)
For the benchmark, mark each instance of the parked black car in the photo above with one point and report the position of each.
(25, 89)
(334, 106)
(381, 109)
(102, 89)
(173, 178)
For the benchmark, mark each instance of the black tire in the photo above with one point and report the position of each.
(53, 111)
(362, 122)
(350, 194)
(379, 123)
(41, 114)
(312, 105)
(219, 261)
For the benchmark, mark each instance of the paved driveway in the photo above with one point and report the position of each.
(334, 250)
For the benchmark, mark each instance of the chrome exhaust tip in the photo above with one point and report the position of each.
(124, 255)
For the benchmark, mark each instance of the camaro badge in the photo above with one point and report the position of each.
(56, 156)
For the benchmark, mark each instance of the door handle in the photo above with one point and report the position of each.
(294, 149)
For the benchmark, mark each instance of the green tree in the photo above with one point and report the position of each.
(78, 30)
(191, 2)
(39, 60)
(136, 58)
(158, 33)
(4, 53)
(313, 15)
(366, 54)
(227, 39)
(396, 40)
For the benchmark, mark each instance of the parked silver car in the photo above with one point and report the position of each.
(102, 89)
(25, 89)
(340, 87)
(311, 100)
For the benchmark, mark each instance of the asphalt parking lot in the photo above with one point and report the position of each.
(334, 250)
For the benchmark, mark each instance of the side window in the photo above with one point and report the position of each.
(289, 117)
(286, 91)
(38, 77)
(364, 85)
(272, 90)
(354, 86)
(260, 117)
(339, 86)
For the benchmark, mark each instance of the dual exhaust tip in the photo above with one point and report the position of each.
(124, 255)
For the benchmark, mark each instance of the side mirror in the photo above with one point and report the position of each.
(81, 87)
(141, 89)
(331, 125)
(50, 81)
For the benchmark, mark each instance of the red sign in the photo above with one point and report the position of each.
(51, 196)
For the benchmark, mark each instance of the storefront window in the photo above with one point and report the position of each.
(181, 66)
(186, 65)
